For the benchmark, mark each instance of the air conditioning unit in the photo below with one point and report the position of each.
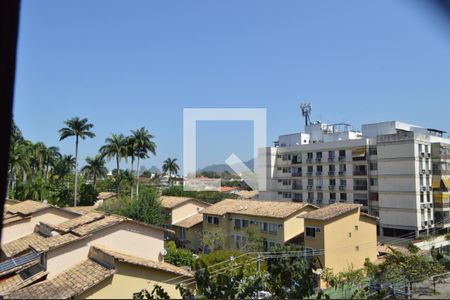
(422, 154)
(424, 171)
(428, 155)
(424, 188)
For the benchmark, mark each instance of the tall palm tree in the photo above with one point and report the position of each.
(51, 156)
(95, 167)
(115, 146)
(80, 129)
(131, 152)
(144, 145)
(63, 166)
(170, 165)
(18, 163)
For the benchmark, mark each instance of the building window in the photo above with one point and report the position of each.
(213, 220)
(182, 233)
(331, 154)
(244, 223)
(342, 168)
(237, 224)
(349, 234)
(310, 232)
(343, 182)
(421, 197)
(310, 169)
(319, 169)
(373, 150)
(333, 196)
(309, 155)
(341, 153)
(356, 227)
(357, 248)
(373, 166)
(332, 181)
(373, 181)
(343, 197)
(332, 168)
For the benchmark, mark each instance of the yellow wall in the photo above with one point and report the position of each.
(193, 235)
(340, 248)
(130, 279)
(22, 228)
(291, 226)
(126, 237)
(186, 209)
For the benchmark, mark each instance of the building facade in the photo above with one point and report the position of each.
(387, 168)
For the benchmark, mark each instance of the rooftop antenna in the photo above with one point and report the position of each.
(306, 112)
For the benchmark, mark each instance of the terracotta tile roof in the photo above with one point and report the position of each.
(21, 279)
(81, 210)
(67, 284)
(37, 242)
(273, 209)
(97, 225)
(27, 207)
(97, 252)
(247, 194)
(13, 218)
(171, 201)
(331, 211)
(79, 221)
(106, 195)
(190, 221)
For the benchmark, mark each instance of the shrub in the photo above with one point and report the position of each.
(88, 194)
(178, 256)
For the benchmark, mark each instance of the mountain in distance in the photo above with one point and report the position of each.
(155, 170)
(220, 168)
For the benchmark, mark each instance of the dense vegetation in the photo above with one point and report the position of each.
(207, 196)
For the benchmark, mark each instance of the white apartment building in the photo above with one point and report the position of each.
(395, 170)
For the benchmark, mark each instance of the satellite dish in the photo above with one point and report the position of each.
(163, 252)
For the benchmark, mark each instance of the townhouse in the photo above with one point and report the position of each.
(340, 236)
(277, 221)
(184, 216)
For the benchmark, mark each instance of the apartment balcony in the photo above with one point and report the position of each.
(285, 187)
(342, 158)
(309, 187)
(330, 159)
(319, 173)
(319, 187)
(309, 160)
(360, 187)
(296, 174)
(342, 187)
(309, 174)
(359, 173)
(342, 173)
(331, 173)
(297, 187)
(296, 161)
(331, 187)
(441, 202)
(318, 160)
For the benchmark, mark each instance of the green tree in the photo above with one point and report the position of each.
(144, 146)
(214, 239)
(148, 209)
(18, 164)
(80, 129)
(290, 277)
(95, 167)
(88, 194)
(170, 166)
(115, 146)
(178, 256)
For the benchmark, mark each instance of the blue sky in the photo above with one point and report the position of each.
(125, 65)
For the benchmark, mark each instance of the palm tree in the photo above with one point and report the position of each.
(144, 144)
(80, 128)
(18, 163)
(95, 167)
(115, 146)
(51, 156)
(131, 152)
(63, 166)
(170, 166)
